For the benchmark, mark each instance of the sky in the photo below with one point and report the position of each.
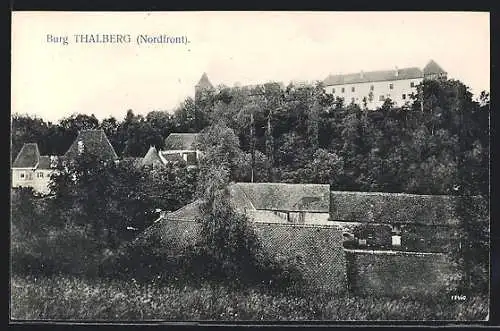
(52, 80)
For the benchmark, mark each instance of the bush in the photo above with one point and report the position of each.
(58, 251)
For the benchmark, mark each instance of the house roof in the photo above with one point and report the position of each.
(44, 162)
(381, 207)
(374, 76)
(433, 68)
(28, 157)
(151, 157)
(95, 142)
(178, 141)
(204, 82)
(189, 212)
(283, 197)
(134, 161)
(171, 157)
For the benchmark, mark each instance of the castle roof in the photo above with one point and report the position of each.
(204, 82)
(433, 68)
(374, 76)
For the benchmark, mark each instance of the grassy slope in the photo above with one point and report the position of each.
(66, 298)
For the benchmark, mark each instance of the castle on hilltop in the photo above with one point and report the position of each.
(372, 87)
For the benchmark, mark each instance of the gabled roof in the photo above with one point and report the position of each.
(374, 76)
(151, 157)
(189, 212)
(28, 157)
(380, 207)
(44, 162)
(134, 161)
(204, 82)
(178, 141)
(433, 68)
(284, 197)
(95, 142)
(171, 157)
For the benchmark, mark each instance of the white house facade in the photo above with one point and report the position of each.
(374, 87)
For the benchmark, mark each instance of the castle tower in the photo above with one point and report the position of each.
(202, 86)
(433, 71)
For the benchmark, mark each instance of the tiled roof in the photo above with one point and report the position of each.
(134, 161)
(44, 162)
(178, 141)
(151, 157)
(374, 76)
(171, 157)
(28, 157)
(204, 83)
(433, 68)
(95, 142)
(287, 197)
(382, 207)
(189, 212)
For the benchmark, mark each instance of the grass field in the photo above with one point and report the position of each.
(71, 298)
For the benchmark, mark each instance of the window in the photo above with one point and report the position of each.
(396, 240)
(391, 86)
(39, 175)
(381, 98)
(362, 242)
(352, 100)
(404, 96)
(343, 90)
(333, 90)
(30, 176)
(412, 84)
(21, 175)
(372, 88)
(353, 89)
(80, 147)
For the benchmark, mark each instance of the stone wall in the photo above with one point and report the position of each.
(386, 273)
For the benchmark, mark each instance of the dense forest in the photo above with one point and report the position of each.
(301, 134)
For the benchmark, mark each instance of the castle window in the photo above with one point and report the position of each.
(352, 89)
(343, 90)
(391, 86)
(404, 96)
(412, 84)
(372, 88)
(381, 98)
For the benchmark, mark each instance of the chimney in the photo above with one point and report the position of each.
(362, 74)
(397, 72)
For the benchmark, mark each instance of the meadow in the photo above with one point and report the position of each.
(72, 298)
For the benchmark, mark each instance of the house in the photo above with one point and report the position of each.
(93, 142)
(282, 203)
(30, 169)
(396, 220)
(271, 203)
(377, 86)
(398, 84)
(181, 146)
(152, 158)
